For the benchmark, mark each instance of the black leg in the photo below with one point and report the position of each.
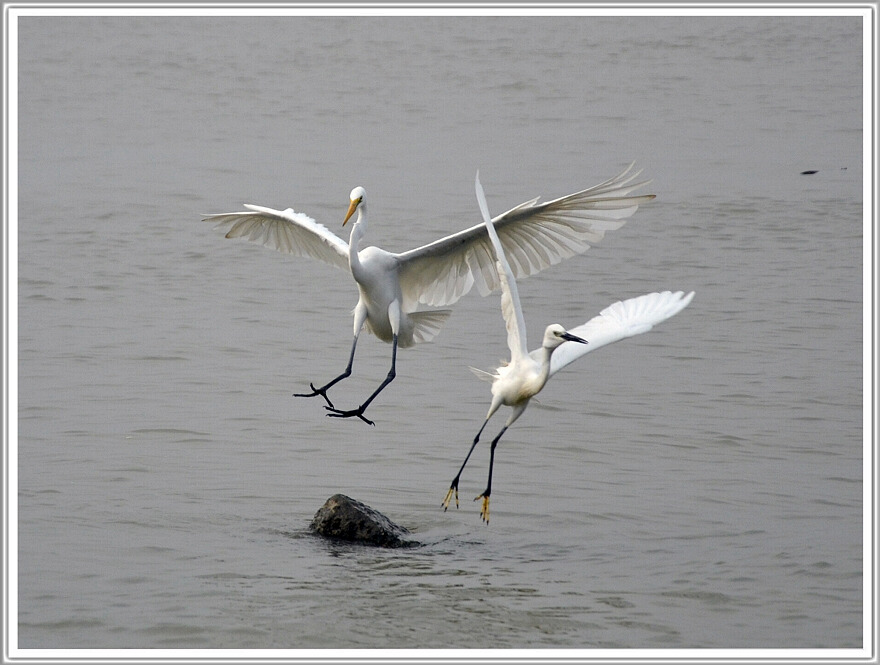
(359, 412)
(484, 511)
(322, 391)
(453, 488)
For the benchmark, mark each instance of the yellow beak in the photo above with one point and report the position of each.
(354, 204)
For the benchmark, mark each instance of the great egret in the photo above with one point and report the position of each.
(392, 286)
(515, 383)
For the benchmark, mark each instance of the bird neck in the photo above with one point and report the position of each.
(354, 240)
(544, 359)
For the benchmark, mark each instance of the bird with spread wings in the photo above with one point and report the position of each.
(394, 288)
(516, 382)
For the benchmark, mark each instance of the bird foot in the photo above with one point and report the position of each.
(449, 494)
(484, 511)
(315, 392)
(339, 413)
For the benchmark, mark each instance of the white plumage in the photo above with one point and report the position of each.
(619, 321)
(394, 287)
(515, 383)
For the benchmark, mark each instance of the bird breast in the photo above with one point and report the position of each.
(376, 275)
(519, 383)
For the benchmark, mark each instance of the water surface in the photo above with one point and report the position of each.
(696, 487)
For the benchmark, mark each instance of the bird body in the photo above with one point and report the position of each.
(377, 296)
(520, 382)
(376, 273)
(515, 383)
(395, 288)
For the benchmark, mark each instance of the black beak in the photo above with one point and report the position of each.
(573, 338)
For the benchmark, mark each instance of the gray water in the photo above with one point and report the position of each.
(696, 487)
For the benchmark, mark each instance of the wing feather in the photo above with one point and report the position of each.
(619, 321)
(534, 236)
(286, 231)
(511, 309)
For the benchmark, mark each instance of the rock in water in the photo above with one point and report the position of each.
(343, 518)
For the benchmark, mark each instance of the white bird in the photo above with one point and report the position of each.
(516, 382)
(392, 286)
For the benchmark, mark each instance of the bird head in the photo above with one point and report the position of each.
(357, 198)
(555, 335)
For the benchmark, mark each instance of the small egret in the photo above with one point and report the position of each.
(392, 286)
(515, 383)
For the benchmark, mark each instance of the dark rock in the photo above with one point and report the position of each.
(809, 172)
(343, 518)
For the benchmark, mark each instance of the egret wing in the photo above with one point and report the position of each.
(285, 230)
(534, 236)
(510, 305)
(619, 321)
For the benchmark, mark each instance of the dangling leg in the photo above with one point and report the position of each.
(322, 391)
(484, 511)
(453, 488)
(394, 316)
(360, 315)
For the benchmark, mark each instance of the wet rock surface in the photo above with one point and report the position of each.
(344, 518)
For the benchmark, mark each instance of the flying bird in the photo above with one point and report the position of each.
(515, 383)
(393, 287)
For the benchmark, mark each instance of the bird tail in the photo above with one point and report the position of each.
(483, 375)
(427, 324)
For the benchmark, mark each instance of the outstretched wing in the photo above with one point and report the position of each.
(510, 305)
(534, 236)
(619, 321)
(285, 230)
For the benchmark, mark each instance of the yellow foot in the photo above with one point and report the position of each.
(484, 511)
(445, 504)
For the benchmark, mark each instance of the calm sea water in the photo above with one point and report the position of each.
(697, 487)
